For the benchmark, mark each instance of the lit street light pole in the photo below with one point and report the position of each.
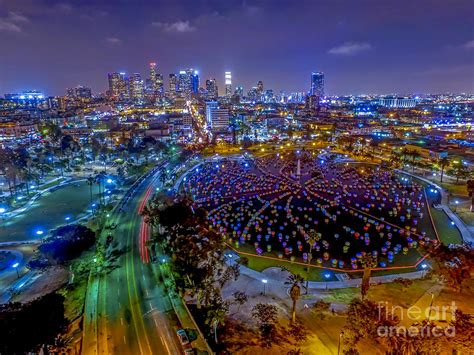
(2, 213)
(15, 266)
(431, 306)
(264, 281)
(339, 343)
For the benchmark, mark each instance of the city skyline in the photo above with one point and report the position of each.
(362, 48)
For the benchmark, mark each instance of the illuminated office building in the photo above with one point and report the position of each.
(228, 83)
(211, 89)
(136, 87)
(317, 84)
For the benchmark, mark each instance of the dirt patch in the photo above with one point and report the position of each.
(48, 281)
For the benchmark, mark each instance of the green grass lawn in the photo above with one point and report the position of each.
(317, 274)
(260, 264)
(49, 211)
(395, 294)
(448, 233)
(465, 214)
(342, 295)
(52, 183)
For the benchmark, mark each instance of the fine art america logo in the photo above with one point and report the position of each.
(414, 321)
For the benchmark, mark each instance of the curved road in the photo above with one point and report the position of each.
(127, 310)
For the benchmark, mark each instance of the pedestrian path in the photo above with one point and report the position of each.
(466, 234)
(273, 277)
(14, 213)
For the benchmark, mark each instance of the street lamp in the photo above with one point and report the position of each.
(339, 343)
(431, 306)
(264, 281)
(15, 266)
(424, 266)
(3, 210)
(456, 203)
(327, 276)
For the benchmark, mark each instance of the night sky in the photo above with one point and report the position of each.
(413, 46)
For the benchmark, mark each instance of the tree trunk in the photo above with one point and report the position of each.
(293, 311)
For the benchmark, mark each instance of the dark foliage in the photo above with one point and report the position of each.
(67, 243)
(26, 327)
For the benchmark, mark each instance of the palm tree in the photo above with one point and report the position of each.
(405, 152)
(414, 155)
(216, 315)
(163, 176)
(395, 157)
(311, 240)
(470, 190)
(443, 163)
(90, 182)
(368, 262)
(295, 281)
(99, 178)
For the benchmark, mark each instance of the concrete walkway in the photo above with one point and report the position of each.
(466, 234)
(7, 215)
(274, 275)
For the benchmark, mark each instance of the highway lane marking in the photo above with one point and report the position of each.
(156, 323)
(121, 321)
(132, 307)
(151, 307)
(135, 288)
(124, 339)
(166, 345)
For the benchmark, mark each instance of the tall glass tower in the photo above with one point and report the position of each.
(228, 83)
(317, 84)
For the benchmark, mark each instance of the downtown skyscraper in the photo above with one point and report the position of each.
(228, 83)
(154, 84)
(211, 89)
(136, 88)
(118, 86)
(317, 84)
